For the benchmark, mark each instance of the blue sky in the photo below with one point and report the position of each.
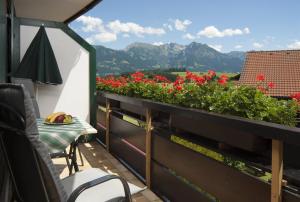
(225, 25)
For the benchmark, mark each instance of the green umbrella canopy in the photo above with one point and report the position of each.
(39, 63)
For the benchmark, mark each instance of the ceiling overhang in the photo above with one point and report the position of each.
(53, 10)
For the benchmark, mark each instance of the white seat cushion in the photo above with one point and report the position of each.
(108, 191)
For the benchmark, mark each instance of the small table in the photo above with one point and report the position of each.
(58, 137)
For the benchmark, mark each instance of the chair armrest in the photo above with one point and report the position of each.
(98, 181)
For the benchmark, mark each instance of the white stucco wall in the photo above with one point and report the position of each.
(72, 96)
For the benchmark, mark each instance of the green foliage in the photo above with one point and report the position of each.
(210, 153)
(245, 101)
(182, 72)
(242, 101)
(227, 160)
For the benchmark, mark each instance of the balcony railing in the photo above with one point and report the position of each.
(191, 155)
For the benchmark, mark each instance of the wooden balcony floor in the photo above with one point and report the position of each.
(95, 156)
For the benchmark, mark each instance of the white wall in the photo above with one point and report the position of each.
(72, 96)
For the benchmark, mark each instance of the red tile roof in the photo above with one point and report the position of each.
(280, 67)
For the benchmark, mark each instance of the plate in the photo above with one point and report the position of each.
(48, 123)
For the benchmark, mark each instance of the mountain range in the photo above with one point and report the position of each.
(143, 56)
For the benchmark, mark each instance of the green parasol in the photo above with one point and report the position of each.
(39, 63)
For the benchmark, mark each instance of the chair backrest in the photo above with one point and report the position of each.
(29, 86)
(32, 172)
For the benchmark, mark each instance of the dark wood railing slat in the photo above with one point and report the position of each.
(277, 171)
(107, 118)
(156, 158)
(148, 147)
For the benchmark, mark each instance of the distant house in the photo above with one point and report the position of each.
(280, 67)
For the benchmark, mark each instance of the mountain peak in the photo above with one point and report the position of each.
(196, 56)
(139, 45)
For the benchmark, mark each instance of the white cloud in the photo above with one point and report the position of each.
(168, 26)
(212, 31)
(91, 24)
(216, 47)
(246, 30)
(90, 40)
(269, 39)
(108, 32)
(188, 36)
(133, 28)
(238, 46)
(158, 43)
(295, 45)
(257, 45)
(181, 25)
(103, 37)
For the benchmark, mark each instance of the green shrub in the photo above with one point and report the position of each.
(206, 92)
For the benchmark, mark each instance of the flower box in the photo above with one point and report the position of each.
(242, 133)
(208, 106)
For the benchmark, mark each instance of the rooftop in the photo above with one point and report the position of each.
(281, 67)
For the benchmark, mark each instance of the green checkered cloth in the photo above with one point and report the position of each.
(58, 137)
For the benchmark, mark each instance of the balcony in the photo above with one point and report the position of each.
(208, 157)
(180, 154)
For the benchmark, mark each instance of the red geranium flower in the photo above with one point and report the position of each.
(211, 73)
(160, 78)
(98, 79)
(178, 81)
(224, 77)
(296, 96)
(200, 80)
(222, 81)
(138, 79)
(179, 88)
(137, 75)
(260, 77)
(271, 85)
(189, 75)
(207, 77)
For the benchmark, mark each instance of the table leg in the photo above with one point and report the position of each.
(75, 158)
(73, 154)
(67, 157)
(80, 156)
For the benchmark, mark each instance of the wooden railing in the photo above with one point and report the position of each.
(191, 155)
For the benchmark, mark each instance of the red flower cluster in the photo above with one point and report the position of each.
(112, 81)
(211, 73)
(162, 79)
(260, 77)
(194, 77)
(149, 81)
(179, 88)
(98, 79)
(271, 85)
(223, 79)
(296, 96)
(262, 86)
(137, 76)
(178, 83)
